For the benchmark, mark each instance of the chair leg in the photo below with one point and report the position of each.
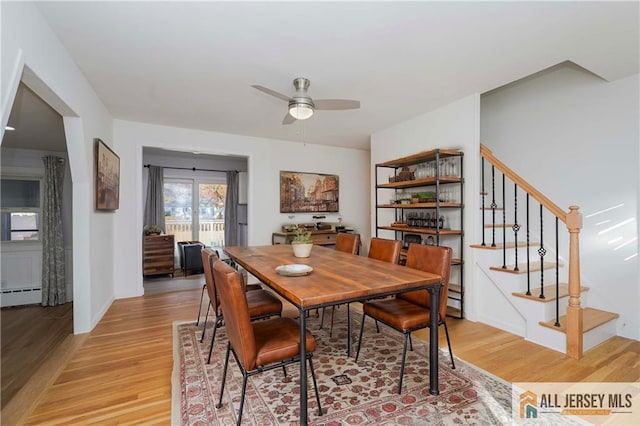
(404, 356)
(224, 375)
(360, 338)
(204, 326)
(322, 318)
(377, 327)
(333, 314)
(315, 385)
(216, 325)
(204, 287)
(446, 332)
(244, 391)
(410, 343)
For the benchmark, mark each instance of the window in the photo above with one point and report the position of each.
(194, 210)
(20, 209)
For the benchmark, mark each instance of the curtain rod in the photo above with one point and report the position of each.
(193, 169)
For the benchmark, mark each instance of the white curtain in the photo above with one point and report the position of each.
(53, 277)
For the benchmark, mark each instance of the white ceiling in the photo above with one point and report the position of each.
(191, 64)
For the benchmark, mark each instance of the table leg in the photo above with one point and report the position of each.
(434, 296)
(303, 367)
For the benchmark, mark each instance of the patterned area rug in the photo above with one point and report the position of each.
(351, 393)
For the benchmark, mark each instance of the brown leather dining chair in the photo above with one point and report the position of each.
(385, 249)
(262, 304)
(204, 286)
(347, 243)
(382, 249)
(259, 346)
(408, 312)
(205, 253)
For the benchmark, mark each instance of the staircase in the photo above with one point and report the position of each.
(525, 284)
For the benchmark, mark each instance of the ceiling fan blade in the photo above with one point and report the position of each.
(271, 92)
(335, 104)
(288, 119)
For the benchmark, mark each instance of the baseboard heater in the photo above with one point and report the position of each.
(21, 296)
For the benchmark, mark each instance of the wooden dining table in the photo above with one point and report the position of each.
(338, 278)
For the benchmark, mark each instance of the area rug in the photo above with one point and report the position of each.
(351, 393)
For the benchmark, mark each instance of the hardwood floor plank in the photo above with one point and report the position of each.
(122, 372)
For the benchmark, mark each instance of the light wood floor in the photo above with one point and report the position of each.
(122, 372)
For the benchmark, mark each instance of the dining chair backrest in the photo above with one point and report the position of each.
(208, 256)
(385, 249)
(235, 309)
(434, 259)
(348, 243)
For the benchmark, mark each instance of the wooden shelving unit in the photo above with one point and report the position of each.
(439, 172)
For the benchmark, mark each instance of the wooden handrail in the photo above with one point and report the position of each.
(573, 221)
(528, 188)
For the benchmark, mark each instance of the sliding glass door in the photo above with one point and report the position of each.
(211, 198)
(194, 210)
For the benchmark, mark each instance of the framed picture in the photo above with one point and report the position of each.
(308, 192)
(107, 177)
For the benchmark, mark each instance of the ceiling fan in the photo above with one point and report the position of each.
(301, 106)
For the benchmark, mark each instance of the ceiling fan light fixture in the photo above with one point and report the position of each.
(300, 110)
(301, 106)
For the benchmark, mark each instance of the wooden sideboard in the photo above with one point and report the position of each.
(321, 238)
(158, 255)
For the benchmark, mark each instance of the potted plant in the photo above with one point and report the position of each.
(301, 243)
(152, 230)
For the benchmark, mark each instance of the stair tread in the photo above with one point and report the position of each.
(455, 288)
(591, 318)
(522, 267)
(549, 293)
(453, 312)
(510, 245)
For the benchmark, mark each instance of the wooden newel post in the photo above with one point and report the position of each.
(574, 310)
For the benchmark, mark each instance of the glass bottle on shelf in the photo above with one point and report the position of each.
(454, 167)
(419, 171)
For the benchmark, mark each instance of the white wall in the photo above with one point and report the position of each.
(32, 52)
(453, 126)
(266, 157)
(576, 137)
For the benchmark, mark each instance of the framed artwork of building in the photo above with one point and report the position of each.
(308, 192)
(107, 177)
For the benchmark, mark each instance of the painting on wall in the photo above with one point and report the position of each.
(107, 177)
(308, 192)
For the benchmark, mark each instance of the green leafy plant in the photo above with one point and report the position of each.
(302, 236)
(152, 229)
